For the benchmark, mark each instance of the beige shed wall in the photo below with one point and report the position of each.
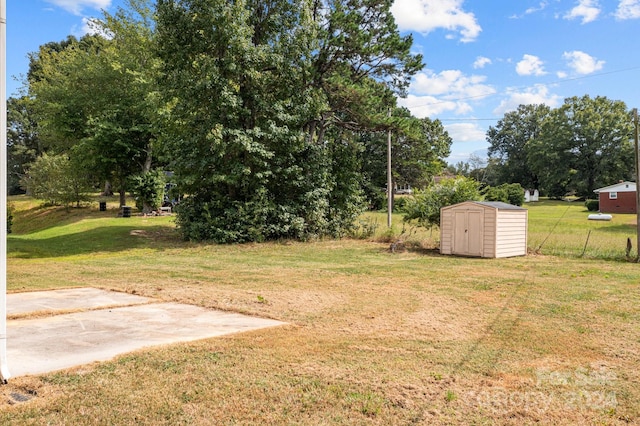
(446, 232)
(504, 233)
(489, 237)
(511, 236)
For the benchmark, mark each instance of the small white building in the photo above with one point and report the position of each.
(483, 229)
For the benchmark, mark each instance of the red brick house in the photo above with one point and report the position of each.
(618, 198)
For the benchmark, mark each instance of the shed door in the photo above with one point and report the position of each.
(468, 232)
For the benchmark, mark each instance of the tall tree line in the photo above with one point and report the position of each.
(264, 110)
(584, 144)
(95, 98)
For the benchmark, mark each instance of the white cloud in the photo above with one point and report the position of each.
(451, 84)
(425, 16)
(433, 93)
(465, 132)
(628, 9)
(468, 139)
(535, 95)
(481, 62)
(465, 156)
(582, 63)
(77, 6)
(430, 106)
(530, 65)
(89, 26)
(541, 6)
(587, 10)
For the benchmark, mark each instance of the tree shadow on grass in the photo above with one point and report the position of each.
(625, 228)
(43, 217)
(401, 247)
(102, 239)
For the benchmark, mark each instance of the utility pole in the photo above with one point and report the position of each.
(637, 151)
(4, 369)
(389, 176)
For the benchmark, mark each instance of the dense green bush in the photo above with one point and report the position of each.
(400, 204)
(425, 205)
(148, 190)
(507, 193)
(56, 180)
(323, 204)
(376, 197)
(592, 205)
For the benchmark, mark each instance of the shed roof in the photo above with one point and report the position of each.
(499, 205)
(618, 187)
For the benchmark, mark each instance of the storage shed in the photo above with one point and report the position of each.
(483, 229)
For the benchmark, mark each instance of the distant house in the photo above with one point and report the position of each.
(618, 198)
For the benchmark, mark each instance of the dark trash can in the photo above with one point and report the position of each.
(103, 206)
(126, 211)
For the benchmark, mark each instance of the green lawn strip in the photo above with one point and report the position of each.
(374, 338)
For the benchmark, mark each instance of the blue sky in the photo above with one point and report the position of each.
(483, 58)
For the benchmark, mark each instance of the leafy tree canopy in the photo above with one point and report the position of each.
(507, 193)
(418, 149)
(424, 207)
(56, 180)
(583, 144)
(265, 102)
(23, 140)
(510, 142)
(96, 97)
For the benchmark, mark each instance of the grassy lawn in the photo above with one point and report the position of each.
(562, 228)
(374, 337)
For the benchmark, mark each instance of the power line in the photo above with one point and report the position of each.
(596, 75)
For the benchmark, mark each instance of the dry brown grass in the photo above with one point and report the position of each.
(374, 338)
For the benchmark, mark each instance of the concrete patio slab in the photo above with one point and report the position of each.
(69, 299)
(46, 344)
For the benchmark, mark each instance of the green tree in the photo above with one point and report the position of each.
(584, 144)
(357, 62)
(23, 141)
(461, 168)
(418, 152)
(512, 193)
(234, 124)
(35, 72)
(97, 96)
(484, 170)
(148, 190)
(510, 144)
(265, 100)
(418, 149)
(56, 180)
(425, 206)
